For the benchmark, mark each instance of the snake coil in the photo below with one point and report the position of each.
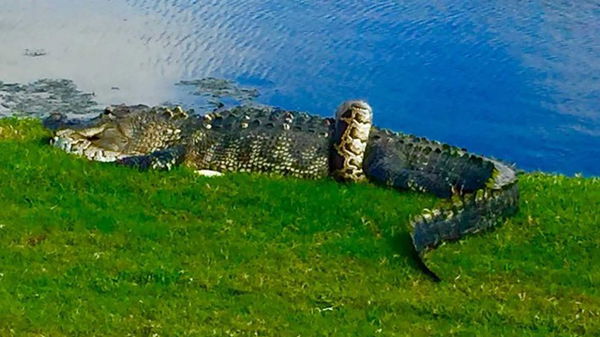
(353, 121)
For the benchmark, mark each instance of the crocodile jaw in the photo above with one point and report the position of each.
(77, 143)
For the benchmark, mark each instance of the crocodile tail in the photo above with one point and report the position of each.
(467, 213)
(480, 191)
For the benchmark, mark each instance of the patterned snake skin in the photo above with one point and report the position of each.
(480, 191)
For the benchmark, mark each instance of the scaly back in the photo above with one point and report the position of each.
(261, 139)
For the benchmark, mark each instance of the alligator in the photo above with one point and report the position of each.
(480, 192)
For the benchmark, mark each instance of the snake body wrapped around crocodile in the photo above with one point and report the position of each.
(480, 191)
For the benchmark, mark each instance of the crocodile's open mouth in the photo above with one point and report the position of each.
(87, 143)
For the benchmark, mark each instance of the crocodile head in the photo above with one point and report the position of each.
(102, 143)
(102, 138)
(119, 132)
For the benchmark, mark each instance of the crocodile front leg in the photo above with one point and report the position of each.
(157, 160)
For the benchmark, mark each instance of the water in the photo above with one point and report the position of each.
(518, 80)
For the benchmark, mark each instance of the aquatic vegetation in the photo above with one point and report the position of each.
(40, 97)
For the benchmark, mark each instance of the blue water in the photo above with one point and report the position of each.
(518, 80)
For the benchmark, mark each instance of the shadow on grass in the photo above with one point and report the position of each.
(402, 244)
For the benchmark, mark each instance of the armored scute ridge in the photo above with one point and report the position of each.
(480, 192)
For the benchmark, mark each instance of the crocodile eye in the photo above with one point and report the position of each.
(108, 112)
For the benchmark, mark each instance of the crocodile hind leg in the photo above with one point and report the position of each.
(157, 160)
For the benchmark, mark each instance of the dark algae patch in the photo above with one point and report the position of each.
(45, 96)
(91, 249)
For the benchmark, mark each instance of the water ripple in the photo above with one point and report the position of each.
(517, 80)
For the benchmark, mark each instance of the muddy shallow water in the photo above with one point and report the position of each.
(515, 80)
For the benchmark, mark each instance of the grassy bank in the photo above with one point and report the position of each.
(90, 249)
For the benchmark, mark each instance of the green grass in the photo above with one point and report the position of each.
(91, 249)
